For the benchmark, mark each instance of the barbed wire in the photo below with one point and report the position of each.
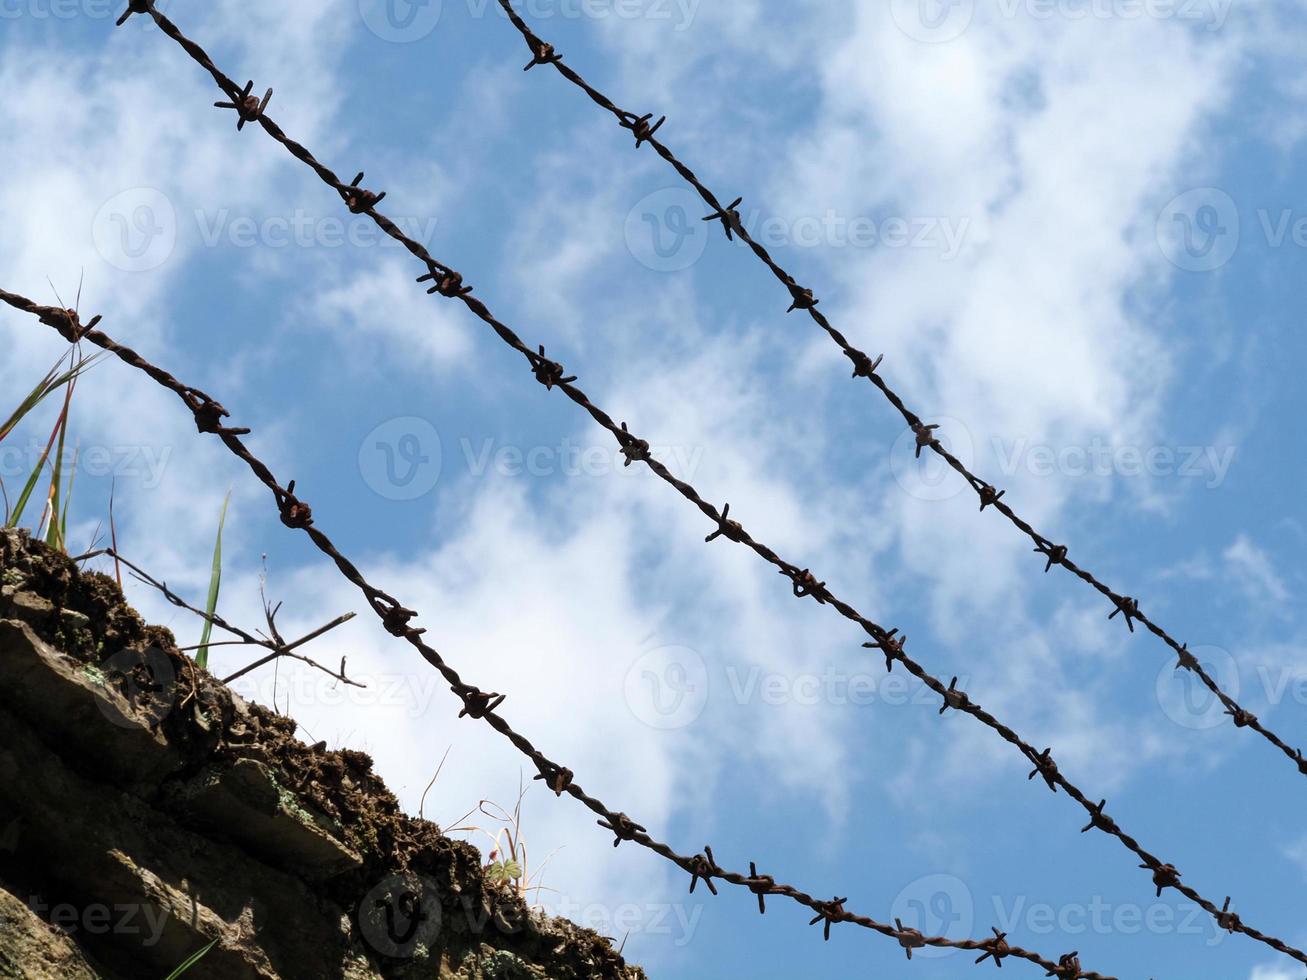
(484, 706)
(866, 367)
(450, 284)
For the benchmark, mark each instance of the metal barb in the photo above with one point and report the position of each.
(909, 939)
(478, 704)
(135, 7)
(1046, 767)
(997, 948)
(249, 107)
(760, 885)
(729, 217)
(622, 826)
(1128, 608)
(829, 913)
(358, 199)
(729, 529)
(704, 868)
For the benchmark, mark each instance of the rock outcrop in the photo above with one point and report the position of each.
(146, 811)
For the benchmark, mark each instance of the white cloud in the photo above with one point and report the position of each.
(1273, 972)
(1252, 569)
(380, 317)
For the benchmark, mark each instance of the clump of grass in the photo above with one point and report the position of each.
(53, 523)
(507, 867)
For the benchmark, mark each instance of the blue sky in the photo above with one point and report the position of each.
(1072, 228)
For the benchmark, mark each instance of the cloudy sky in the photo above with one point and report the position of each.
(1073, 227)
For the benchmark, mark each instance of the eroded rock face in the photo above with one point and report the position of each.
(147, 811)
(32, 948)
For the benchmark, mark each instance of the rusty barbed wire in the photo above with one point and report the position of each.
(865, 366)
(484, 706)
(449, 283)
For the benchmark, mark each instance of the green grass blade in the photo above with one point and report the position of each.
(19, 507)
(52, 537)
(215, 583)
(57, 431)
(68, 499)
(190, 961)
(34, 398)
(48, 385)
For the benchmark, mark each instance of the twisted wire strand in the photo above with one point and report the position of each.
(866, 367)
(484, 706)
(450, 284)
